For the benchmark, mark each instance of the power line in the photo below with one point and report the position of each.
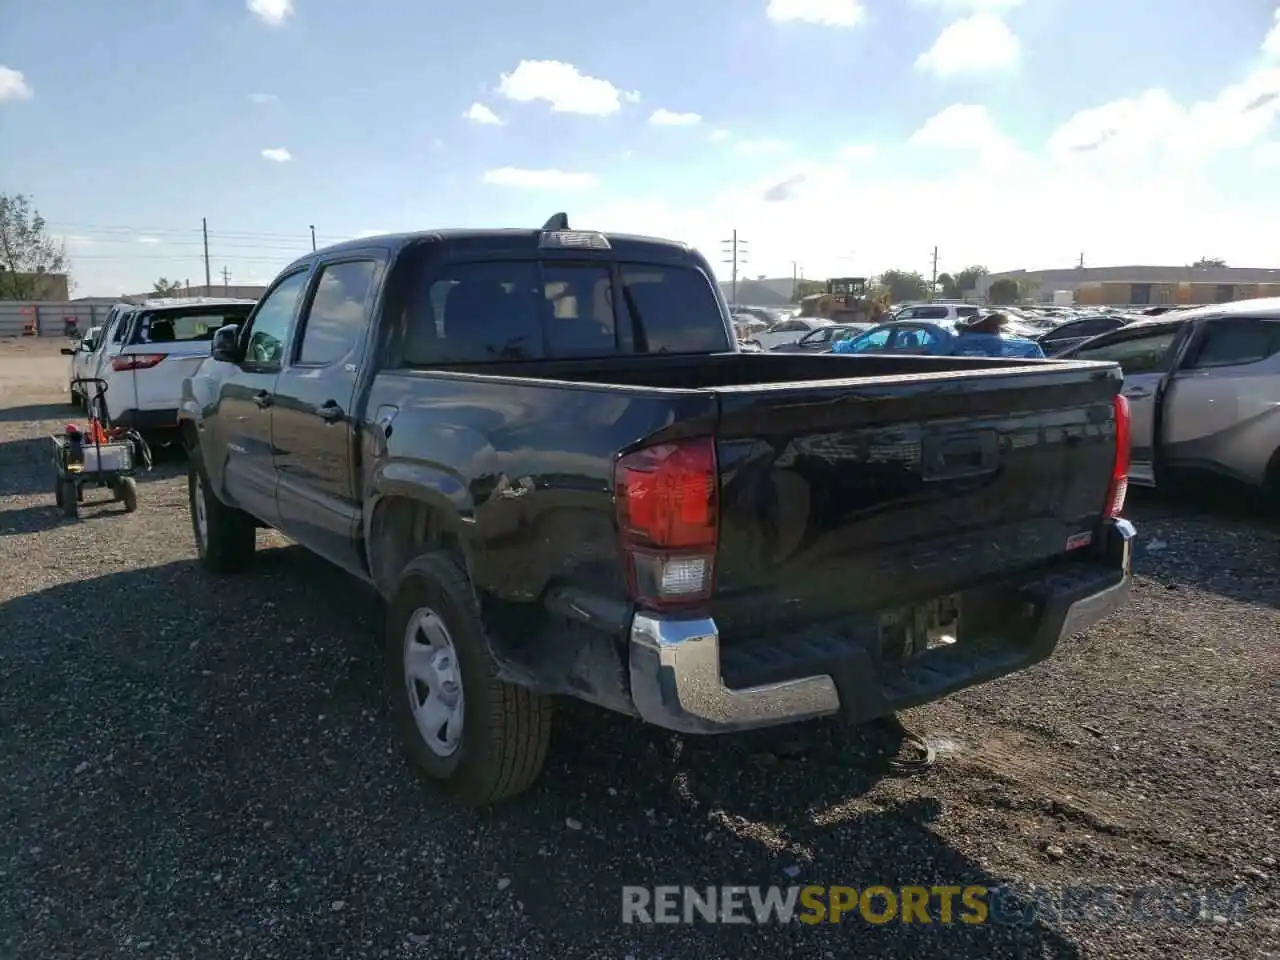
(736, 251)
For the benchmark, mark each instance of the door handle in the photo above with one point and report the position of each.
(1137, 393)
(263, 399)
(329, 412)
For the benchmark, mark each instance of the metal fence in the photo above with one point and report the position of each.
(48, 318)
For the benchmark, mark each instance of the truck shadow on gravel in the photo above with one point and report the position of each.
(36, 412)
(239, 765)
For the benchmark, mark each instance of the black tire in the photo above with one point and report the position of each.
(57, 492)
(69, 498)
(230, 535)
(127, 493)
(505, 728)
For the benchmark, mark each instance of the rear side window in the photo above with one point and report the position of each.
(473, 312)
(1229, 342)
(173, 326)
(121, 328)
(966, 311)
(930, 313)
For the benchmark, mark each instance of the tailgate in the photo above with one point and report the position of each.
(158, 370)
(861, 495)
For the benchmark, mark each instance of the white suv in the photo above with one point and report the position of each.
(153, 348)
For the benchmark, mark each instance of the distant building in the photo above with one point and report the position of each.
(1138, 285)
(34, 286)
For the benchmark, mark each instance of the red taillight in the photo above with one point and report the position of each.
(1120, 469)
(135, 361)
(668, 519)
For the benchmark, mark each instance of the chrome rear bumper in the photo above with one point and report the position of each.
(677, 679)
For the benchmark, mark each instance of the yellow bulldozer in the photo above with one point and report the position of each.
(847, 300)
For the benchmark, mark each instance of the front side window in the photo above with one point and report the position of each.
(339, 313)
(871, 340)
(929, 313)
(269, 326)
(1137, 354)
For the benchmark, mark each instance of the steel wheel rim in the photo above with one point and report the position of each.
(201, 516)
(433, 682)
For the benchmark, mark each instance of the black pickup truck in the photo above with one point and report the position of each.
(544, 450)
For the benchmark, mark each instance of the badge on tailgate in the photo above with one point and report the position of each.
(953, 456)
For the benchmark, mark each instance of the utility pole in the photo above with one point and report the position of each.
(735, 252)
(933, 284)
(795, 274)
(1080, 265)
(204, 228)
(226, 281)
(313, 237)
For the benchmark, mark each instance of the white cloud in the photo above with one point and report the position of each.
(1271, 44)
(1268, 155)
(757, 147)
(1152, 126)
(669, 118)
(270, 12)
(827, 13)
(969, 6)
(1184, 170)
(719, 136)
(963, 126)
(479, 113)
(539, 179)
(979, 44)
(262, 98)
(374, 232)
(564, 87)
(148, 240)
(277, 154)
(858, 151)
(13, 85)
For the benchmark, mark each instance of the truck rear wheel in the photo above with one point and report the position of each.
(477, 738)
(225, 537)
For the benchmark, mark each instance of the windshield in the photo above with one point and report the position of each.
(193, 324)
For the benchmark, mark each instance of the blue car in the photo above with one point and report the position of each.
(937, 341)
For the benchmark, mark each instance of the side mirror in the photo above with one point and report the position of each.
(68, 351)
(88, 346)
(226, 344)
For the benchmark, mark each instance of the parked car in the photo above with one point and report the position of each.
(940, 314)
(81, 352)
(823, 339)
(1204, 390)
(158, 346)
(563, 488)
(1073, 332)
(909, 336)
(788, 331)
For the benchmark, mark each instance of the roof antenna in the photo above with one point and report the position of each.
(558, 221)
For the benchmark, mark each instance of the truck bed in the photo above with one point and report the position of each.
(846, 483)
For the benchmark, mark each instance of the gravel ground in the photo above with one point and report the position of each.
(200, 768)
